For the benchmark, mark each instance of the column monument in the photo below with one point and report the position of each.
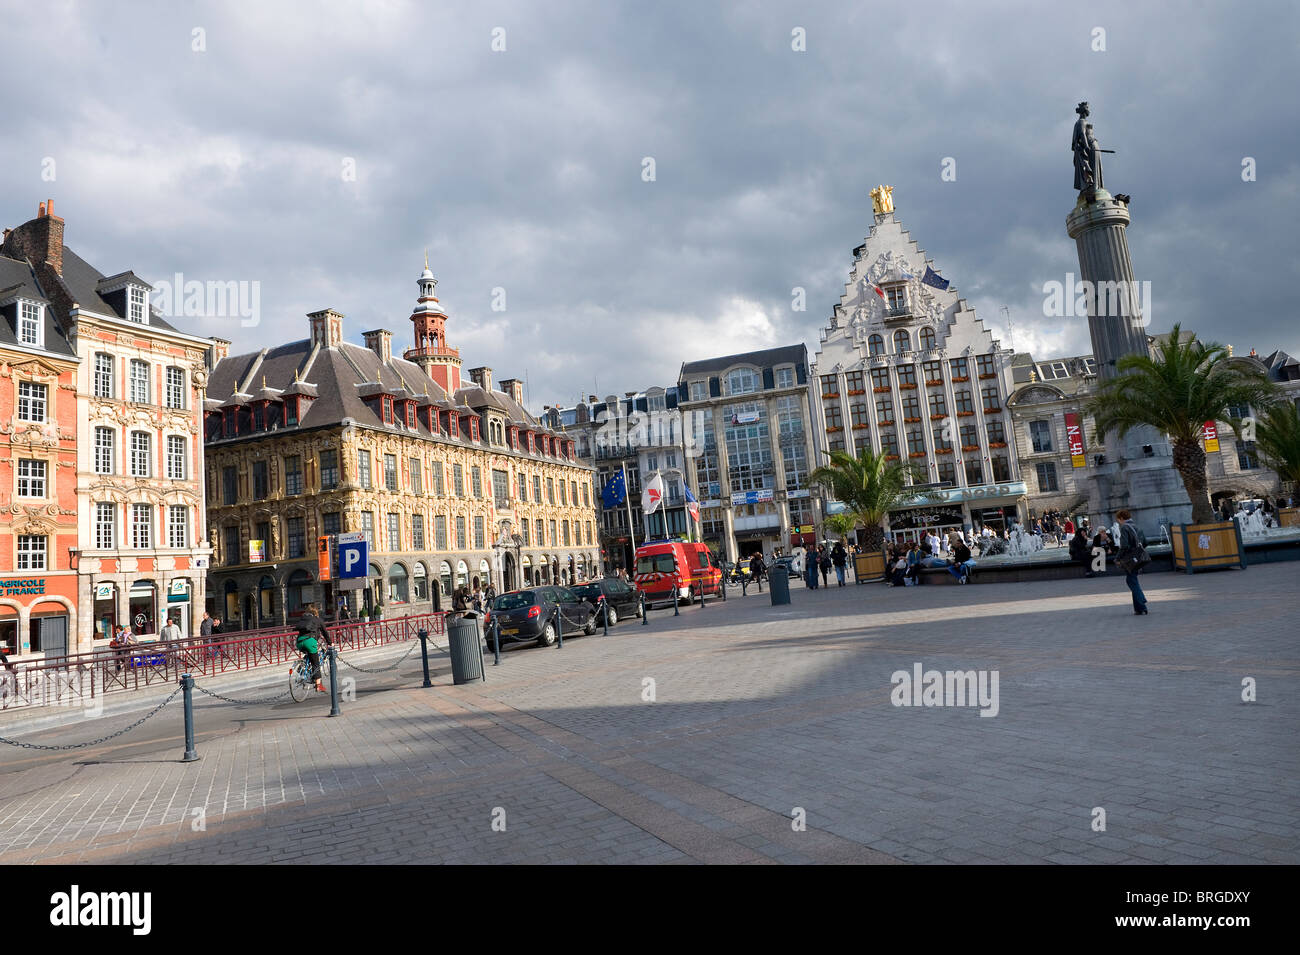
(1138, 473)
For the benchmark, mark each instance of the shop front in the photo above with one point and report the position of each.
(36, 614)
(917, 523)
(995, 506)
(178, 604)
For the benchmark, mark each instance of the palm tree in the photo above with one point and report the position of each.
(1278, 437)
(841, 525)
(1186, 383)
(869, 486)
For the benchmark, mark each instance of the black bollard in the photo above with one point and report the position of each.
(645, 614)
(496, 642)
(559, 631)
(676, 612)
(722, 582)
(701, 583)
(334, 683)
(187, 683)
(424, 654)
(604, 614)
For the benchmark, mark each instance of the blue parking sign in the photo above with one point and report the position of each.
(354, 556)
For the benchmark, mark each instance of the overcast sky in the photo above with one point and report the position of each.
(522, 169)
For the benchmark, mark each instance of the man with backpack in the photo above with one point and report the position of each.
(310, 629)
(1132, 557)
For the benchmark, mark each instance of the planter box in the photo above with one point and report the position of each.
(1204, 546)
(1289, 516)
(868, 567)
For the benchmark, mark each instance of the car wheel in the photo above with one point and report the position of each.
(547, 639)
(611, 615)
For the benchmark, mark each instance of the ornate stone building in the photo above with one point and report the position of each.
(131, 411)
(448, 481)
(907, 369)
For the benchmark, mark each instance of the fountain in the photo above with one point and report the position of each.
(1254, 527)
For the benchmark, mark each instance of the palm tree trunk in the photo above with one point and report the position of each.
(1189, 459)
(874, 535)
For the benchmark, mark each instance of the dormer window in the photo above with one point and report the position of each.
(453, 423)
(473, 429)
(136, 305)
(31, 330)
(291, 411)
(388, 409)
(410, 414)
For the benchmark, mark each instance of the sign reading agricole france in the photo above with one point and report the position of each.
(23, 585)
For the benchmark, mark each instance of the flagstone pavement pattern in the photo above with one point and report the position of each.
(758, 711)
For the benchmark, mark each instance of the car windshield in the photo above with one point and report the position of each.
(520, 598)
(656, 564)
(587, 590)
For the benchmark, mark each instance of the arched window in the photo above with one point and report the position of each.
(444, 575)
(902, 342)
(420, 581)
(742, 381)
(462, 574)
(876, 345)
(398, 592)
(927, 338)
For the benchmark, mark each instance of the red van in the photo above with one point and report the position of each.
(660, 563)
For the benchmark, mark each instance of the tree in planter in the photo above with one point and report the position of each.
(842, 525)
(1186, 383)
(870, 487)
(1278, 439)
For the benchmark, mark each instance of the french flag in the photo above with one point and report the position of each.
(692, 505)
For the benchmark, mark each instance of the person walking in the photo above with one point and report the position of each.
(1129, 559)
(756, 566)
(810, 568)
(205, 628)
(839, 557)
(824, 561)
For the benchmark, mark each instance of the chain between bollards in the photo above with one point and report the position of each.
(604, 615)
(496, 641)
(424, 655)
(334, 682)
(187, 685)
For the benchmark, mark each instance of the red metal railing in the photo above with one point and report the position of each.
(77, 679)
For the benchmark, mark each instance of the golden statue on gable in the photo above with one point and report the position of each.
(882, 199)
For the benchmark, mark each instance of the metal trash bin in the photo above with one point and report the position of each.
(463, 643)
(778, 586)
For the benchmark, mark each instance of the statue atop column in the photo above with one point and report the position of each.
(1087, 154)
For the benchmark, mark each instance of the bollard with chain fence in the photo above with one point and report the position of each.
(102, 739)
(410, 650)
(231, 699)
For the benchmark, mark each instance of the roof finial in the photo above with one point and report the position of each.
(264, 381)
(297, 374)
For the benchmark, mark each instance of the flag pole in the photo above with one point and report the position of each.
(627, 499)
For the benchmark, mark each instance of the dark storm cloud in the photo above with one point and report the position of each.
(522, 169)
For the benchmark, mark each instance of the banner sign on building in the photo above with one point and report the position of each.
(1074, 435)
(751, 497)
(323, 563)
(103, 591)
(256, 551)
(1211, 435)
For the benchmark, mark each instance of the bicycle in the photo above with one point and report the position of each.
(301, 685)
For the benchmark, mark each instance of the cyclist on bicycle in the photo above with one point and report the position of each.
(310, 630)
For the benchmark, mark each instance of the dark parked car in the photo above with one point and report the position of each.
(526, 615)
(622, 598)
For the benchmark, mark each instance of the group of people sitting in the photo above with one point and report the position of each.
(952, 552)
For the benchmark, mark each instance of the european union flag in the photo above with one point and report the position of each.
(614, 492)
(933, 280)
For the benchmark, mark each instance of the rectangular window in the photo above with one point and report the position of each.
(439, 532)
(142, 526)
(394, 540)
(940, 442)
(175, 458)
(175, 388)
(830, 385)
(390, 471)
(460, 533)
(1001, 469)
(564, 532)
(105, 526)
(907, 376)
(368, 527)
(699, 390)
(784, 379)
(140, 452)
(523, 533)
(29, 325)
(996, 433)
(880, 379)
(232, 546)
(1247, 458)
(915, 442)
(138, 382)
(555, 541)
(135, 304)
(933, 371)
(31, 552)
(537, 490)
(329, 470)
(291, 411)
(501, 489)
(294, 537)
(969, 438)
(541, 532)
(885, 410)
(1040, 436)
(416, 475)
(476, 481)
(293, 474)
(992, 403)
(105, 452)
(960, 368)
(262, 532)
(177, 526)
(31, 401)
(229, 485)
(31, 478)
(855, 382)
(103, 375)
(833, 418)
(911, 408)
(363, 469)
(1047, 476)
(436, 471)
(964, 403)
(889, 443)
(523, 487)
(330, 523)
(417, 532)
(985, 365)
(564, 495)
(974, 472)
(938, 404)
(261, 485)
(480, 539)
(458, 480)
(550, 493)
(947, 473)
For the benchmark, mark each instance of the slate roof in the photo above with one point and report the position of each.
(768, 357)
(17, 278)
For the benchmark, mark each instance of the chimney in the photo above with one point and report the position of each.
(482, 376)
(39, 240)
(591, 399)
(380, 341)
(326, 328)
(514, 387)
(218, 351)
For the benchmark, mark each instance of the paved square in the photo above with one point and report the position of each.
(760, 716)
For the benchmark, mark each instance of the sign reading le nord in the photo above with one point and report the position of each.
(23, 586)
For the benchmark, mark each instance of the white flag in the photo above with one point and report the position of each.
(653, 495)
